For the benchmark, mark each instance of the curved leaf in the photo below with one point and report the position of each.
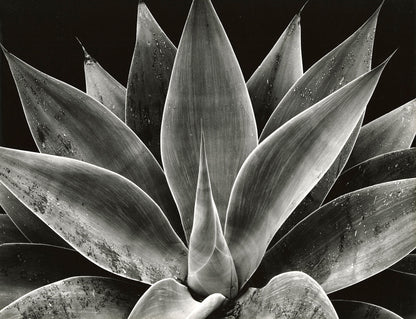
(383, 168)
(391, 132)
(277, 73)
(210, 264)
(290, 295)
(25, 267)
(169, 299)
(347, 309)
(343, 64)
(9, 233)
(65, 121)
(76, 298)
(351, 238)
(102, 215)
(406, 265)
(103, 87)
(148, 81)
(208, 88)
(283, 169)
(29, 224)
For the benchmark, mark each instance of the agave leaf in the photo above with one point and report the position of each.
(283, 169)
(343, 64)
(210, 264)
(76, 298)
(347, 309)
(65, 121)
(103, 87)
(391, 132)
(289, 295)
(25, 267)
(207, 87)
(9, 233)
(103, 215)
(148, 81)
(169, 299)
(383, 168)
(351, 238)
(406, 265)
(34, 229)
(277, 73)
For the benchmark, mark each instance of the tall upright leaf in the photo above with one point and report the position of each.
(283, 169)
(208, 88)
(148, 81)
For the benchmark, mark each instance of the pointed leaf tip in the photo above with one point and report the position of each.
(4, 49)
(303, 7)
(87, 56)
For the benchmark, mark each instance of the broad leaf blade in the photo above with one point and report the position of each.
(343, 64)
(277, 73)
(9, 233)
(101, 214)
(29, 224)
(208, 88)
(65, 121)
(210, 264)
(169, 299)
(26, 267)
(391, 132)
(148, 81)
(76, 298)
(285, 167)
(383, 168)
(351, 238)
(347, 309)
(290, 295)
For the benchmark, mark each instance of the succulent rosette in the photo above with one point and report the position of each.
(193, 194)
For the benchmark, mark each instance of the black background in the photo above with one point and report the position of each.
(42, 32)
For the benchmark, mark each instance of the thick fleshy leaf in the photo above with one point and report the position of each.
(76, 298)
(343, 64)
(210, 264)
(406, 265)
(101, 214)
(25, 267)
(65, 121)
(283, 169)
(277, 73)
(33, 228)
(208, 88)
(383, 168)
(351, 238)
(391, 132)
(169, 299)
(290, 295)
(347, 309)
(9, 233)
(148, 81)
(103, 87)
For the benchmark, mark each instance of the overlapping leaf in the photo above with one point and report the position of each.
(206, 87)
(285, 167)
(347, 309)
(351, 238)
(103, 215)
(9, 233)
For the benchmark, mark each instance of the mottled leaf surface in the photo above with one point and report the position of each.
(9, 233)
(284, 168)
(101, 214)
(208, 88)
(148, 81)
(277, 73)
(76, 298)
(391, 132)
(65, 121)
(290, 295)
(26, 267)
(343, 64)
(351, 238)
(347, 309)
(169, 299)
(210, 264)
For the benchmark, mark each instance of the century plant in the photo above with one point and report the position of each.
(206, 188)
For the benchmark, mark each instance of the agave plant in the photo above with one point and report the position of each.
(162, 200)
